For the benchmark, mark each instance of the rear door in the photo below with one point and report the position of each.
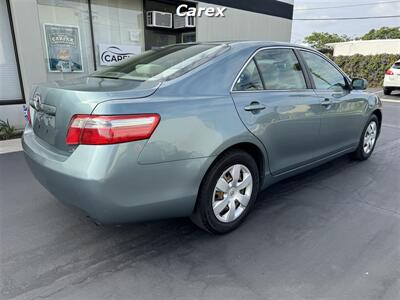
(342, 109)
(275, 101)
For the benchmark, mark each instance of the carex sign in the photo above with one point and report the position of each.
(111, 54)
(184, 10)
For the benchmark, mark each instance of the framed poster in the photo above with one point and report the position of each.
(63, 47)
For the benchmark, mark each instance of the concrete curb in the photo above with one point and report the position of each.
(8, 146)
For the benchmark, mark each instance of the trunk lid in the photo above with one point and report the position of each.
(53, 105)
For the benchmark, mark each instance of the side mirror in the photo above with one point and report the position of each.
(359, 84)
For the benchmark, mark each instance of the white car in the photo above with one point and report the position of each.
(392, 79)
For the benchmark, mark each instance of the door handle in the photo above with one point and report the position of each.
(326, 102)
(254, 107)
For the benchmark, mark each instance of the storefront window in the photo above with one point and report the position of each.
(66, 38)
(81, 36)
(10, 88)
(118, 30)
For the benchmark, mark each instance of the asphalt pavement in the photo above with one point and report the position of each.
(394, 97)
(330, 233)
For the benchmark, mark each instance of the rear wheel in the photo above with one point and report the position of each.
(387, 91)
(227, 193)
(368, 139)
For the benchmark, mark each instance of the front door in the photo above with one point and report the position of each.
(277, 106)
(342, 108)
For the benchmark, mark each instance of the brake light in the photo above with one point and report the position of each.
(389, 72)
(104, 130)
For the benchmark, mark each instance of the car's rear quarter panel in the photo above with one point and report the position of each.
(190, 127)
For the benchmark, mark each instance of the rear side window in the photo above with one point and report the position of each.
(324, 74)
(164, 63)
(396, 65)
(280, 69)
(249, 79)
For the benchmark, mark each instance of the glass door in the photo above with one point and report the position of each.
(10, 87)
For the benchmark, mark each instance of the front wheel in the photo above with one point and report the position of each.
(368, 139)
(227, 193)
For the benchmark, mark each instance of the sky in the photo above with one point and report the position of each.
(352, 28)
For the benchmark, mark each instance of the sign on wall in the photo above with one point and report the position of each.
(63, 46)
(111, 53)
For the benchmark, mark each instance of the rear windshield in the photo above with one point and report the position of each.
(164, 63)
(396, 65)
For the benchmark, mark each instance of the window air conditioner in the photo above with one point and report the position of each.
(184, 22)
(159, 19)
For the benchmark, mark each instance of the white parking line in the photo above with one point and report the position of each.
(377, 92)
(390, 100)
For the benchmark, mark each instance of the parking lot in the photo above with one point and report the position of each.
(394, 97)
(331, 233)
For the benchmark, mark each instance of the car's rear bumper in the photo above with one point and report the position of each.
(109, 185)
(391, 81)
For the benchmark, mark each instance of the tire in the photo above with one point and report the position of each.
(363, 152)
(387, 91)
(220, 183)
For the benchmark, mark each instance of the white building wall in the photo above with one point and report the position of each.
(14, 115)
(372, 47)
(242, 25)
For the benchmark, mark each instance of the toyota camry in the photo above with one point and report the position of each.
(195, 130)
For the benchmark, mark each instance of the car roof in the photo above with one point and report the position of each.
(260, 44)
(252, 44)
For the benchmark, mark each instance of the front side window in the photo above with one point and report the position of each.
(280, 69)
(164, 63)
(249, 79)
(325, 75)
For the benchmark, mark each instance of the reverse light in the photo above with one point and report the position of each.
(105, 130)
(389, 72)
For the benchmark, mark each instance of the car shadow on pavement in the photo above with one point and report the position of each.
(289, 193)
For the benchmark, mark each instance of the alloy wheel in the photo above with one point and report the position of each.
(370, 137)
(232, 193)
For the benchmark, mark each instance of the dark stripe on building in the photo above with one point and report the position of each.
(267, 7)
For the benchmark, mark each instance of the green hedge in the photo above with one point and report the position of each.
(369, 67)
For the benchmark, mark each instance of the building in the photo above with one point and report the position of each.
(370, 47)
(50, 40)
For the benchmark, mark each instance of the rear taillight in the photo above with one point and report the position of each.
(104, 130)
(389, 72)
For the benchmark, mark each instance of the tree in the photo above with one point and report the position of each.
(382, 33)
(318, 40)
